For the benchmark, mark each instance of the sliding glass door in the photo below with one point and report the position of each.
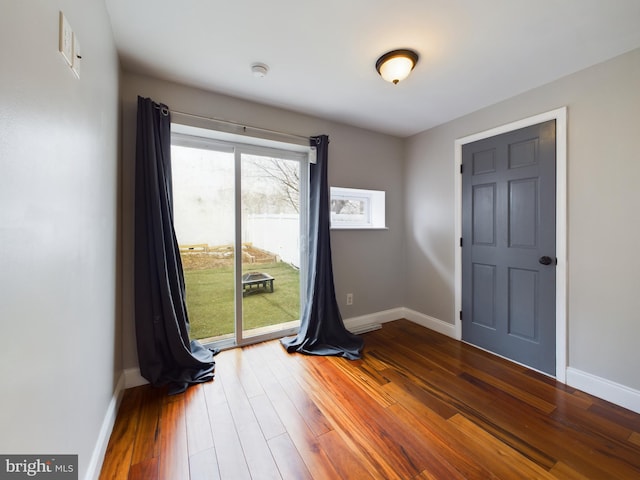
(270, 238)
(240, 213)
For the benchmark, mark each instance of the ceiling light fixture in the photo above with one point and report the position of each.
(259, 69)
(396, 65)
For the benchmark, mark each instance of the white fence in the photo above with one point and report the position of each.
(275, 233)
(279, 234)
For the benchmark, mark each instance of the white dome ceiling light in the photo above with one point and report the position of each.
(396, 65)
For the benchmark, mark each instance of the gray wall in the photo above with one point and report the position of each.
(59, 349)
(603, 203)
(63, 345)
(366, 263)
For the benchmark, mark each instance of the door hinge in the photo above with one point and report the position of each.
(460, 241)
(460, 315)
(461, 168)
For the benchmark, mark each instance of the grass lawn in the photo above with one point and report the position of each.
(210, 299)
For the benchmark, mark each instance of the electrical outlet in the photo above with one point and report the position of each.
(65, 42)
(349, 298)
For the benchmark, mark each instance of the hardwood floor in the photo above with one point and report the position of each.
(419, 405)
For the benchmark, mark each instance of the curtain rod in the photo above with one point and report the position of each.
(242, 127)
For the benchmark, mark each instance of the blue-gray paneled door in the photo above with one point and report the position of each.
(508, 245)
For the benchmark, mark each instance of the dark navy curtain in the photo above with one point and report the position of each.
(322, 331)
(166, 354)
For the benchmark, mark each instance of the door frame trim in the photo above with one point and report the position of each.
(560, 116)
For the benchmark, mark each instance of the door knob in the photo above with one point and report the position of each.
(545, 260)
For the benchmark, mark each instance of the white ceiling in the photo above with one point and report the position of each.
(322, 54)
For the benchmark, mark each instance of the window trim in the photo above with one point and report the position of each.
(374, 209)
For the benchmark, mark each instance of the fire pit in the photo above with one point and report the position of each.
(256, 282)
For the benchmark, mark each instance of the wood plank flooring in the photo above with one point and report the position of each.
(419, 405)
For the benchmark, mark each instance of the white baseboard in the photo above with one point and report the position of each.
(97, 457)
(431, 323)
(355, 323)
(606, 389)
(133, 378)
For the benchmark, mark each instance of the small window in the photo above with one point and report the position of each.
(353, 208)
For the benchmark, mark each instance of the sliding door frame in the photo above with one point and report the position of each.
(210, 142)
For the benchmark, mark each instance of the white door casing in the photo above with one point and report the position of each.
(560, 116)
